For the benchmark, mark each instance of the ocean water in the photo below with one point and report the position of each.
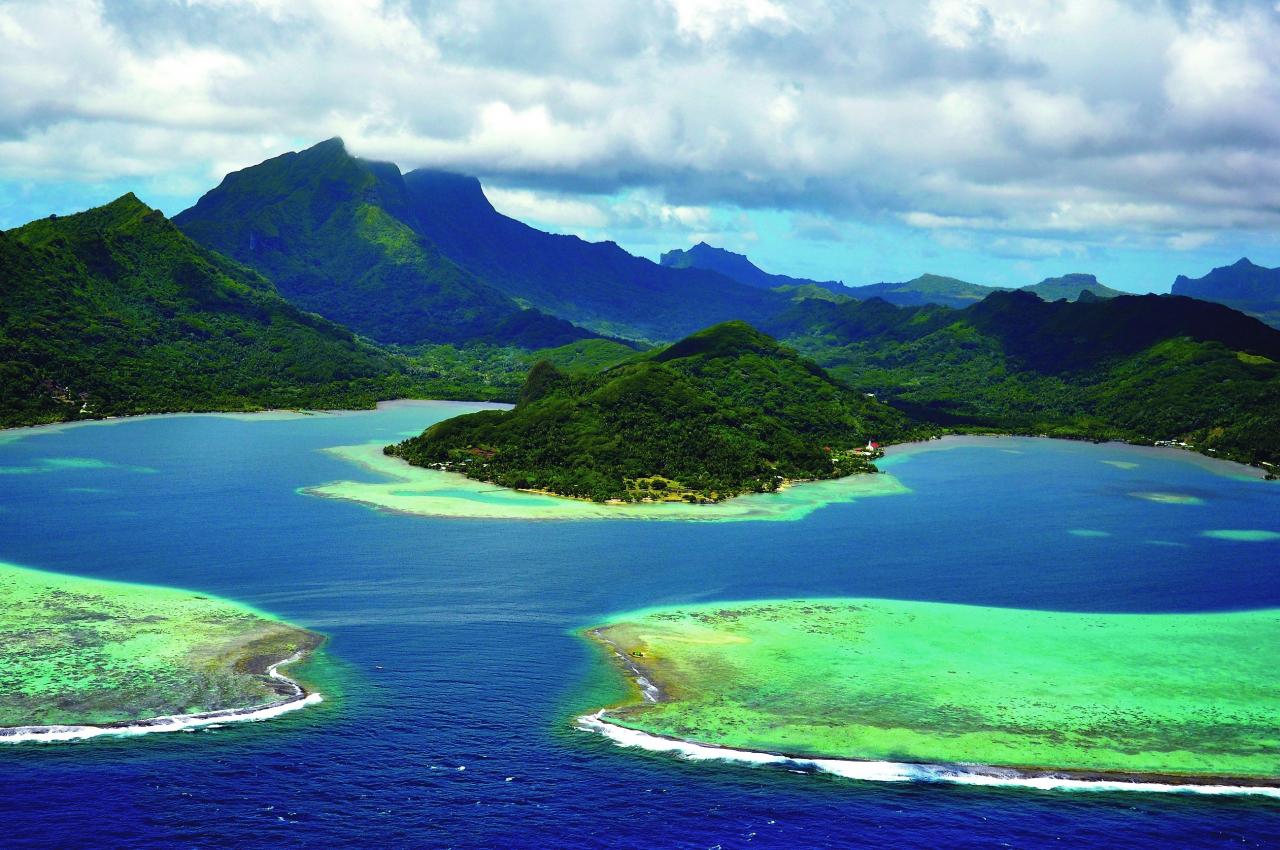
(453, 672)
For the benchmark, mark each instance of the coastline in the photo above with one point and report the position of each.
(1216, 465)
(298, 697)
(872, 770)
(423, 491)
(14, 432)
(949, 773)
(270, 414)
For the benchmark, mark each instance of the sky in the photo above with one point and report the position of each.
(999, 142)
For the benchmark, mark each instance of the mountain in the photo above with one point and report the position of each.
(926, 289)
(724, 411)
(739, 268)
(594, 284)
(337, 236)
(1069, 286)
(1249, 288)
(115, 311)
(1132, 367)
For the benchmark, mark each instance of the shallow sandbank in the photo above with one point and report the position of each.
(429, 492)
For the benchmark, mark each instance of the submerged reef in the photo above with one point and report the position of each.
(78, 655)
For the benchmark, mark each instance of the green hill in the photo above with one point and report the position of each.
(115, 311)
(1131, 367)
(337, 236)
(725, 411)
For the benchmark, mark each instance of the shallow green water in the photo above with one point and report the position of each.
(927, 682)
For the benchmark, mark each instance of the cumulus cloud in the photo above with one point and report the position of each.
(1027, 120)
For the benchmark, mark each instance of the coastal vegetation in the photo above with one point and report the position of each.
(78, 651)
(723, 412)
(1137, 368)
(1183, 697)
(405, 489)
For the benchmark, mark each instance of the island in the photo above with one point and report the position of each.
(81, 657)
(723, 412)
(994, 693)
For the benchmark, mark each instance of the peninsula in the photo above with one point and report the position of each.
(82, 656)
(723, 412)
(1173, 698)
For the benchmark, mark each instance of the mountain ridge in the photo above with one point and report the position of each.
(740, 268)
(335, 233)
(1243, 285)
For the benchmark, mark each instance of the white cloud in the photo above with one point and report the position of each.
(707, 19)
(563, 213)
(1189, 241)
(1030, 119)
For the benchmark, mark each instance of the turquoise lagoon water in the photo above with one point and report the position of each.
(453, 671)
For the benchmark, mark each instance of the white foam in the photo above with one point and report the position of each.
(889, 771)
(171, 722)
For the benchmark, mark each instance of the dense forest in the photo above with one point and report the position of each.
(725, 411)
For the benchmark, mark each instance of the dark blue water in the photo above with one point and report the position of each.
(452, 644)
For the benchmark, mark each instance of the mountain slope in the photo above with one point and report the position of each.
(1131, 367)
(336, 235)
(725, 411)
(1247, 287)
(115, 311)
(739, 268)
(594, 284)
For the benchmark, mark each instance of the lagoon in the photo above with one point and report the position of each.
(454, 670)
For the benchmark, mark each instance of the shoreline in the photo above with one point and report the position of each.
(425, 491)
(298, 698)
(872, 770)
(1216, 465)
(11, 432)
(949, 773)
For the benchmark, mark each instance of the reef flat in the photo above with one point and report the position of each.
(432, 492)
(81, 655)
(1175, 698)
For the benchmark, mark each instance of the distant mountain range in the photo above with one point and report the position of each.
(741, 269)
(926, 289)
(1247, 287)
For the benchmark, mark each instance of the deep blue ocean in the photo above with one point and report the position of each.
(453, 673)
